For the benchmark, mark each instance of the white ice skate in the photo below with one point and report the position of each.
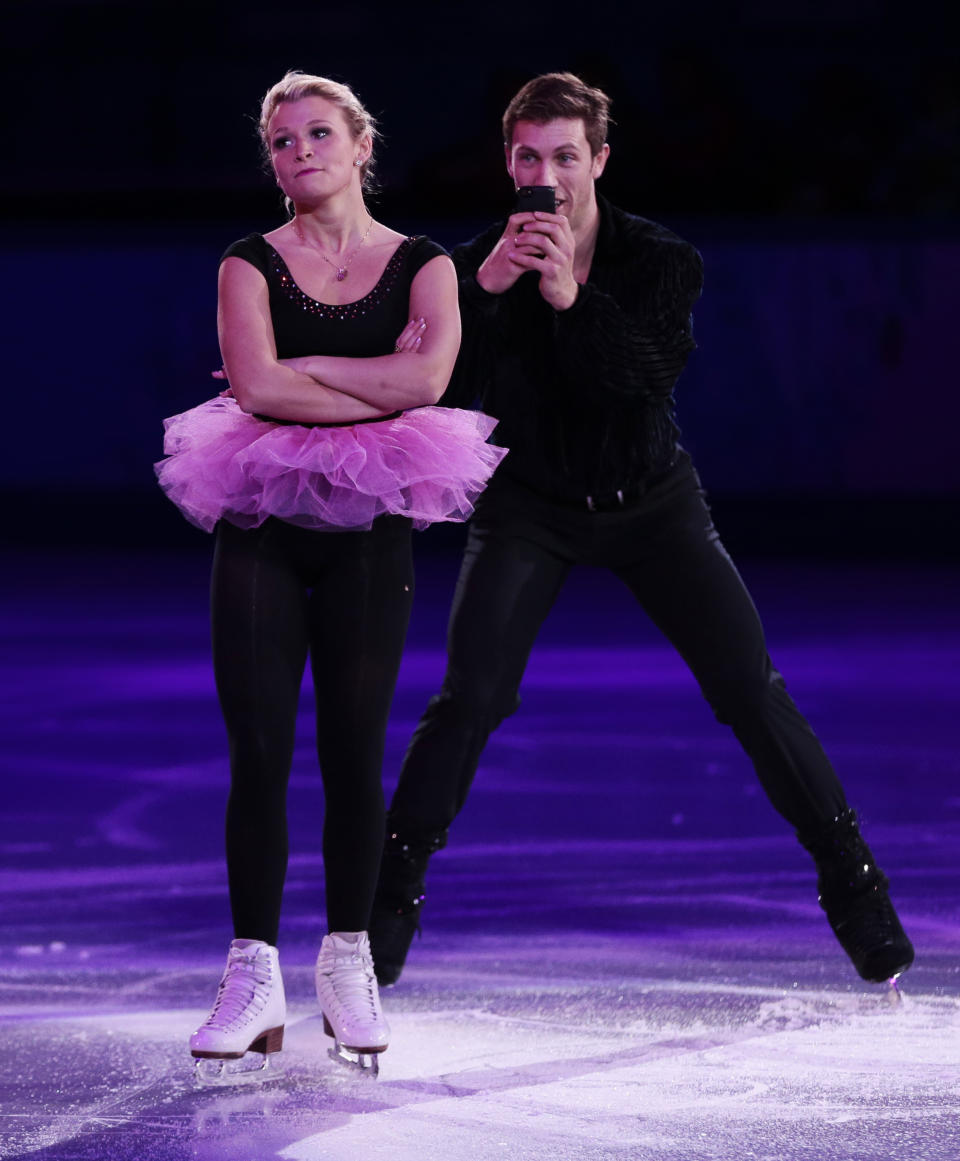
(246, 1025)
(350, 1002)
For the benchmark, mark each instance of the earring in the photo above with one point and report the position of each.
(358, 163)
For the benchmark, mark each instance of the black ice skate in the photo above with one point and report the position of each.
(395, 918)
(853, 893)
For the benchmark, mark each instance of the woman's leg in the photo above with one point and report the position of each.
(259, 621)
(358, 614)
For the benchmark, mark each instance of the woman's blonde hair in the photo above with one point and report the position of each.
(297, 85)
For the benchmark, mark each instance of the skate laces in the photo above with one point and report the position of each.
(242, 986)
(352, 981)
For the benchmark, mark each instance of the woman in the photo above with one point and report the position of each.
(332, 325)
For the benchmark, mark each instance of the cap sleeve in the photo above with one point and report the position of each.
(422, 250)
(253, 249)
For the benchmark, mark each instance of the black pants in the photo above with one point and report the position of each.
(279, 592)
(665, 548)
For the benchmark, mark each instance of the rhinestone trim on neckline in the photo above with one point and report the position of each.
(345, 310)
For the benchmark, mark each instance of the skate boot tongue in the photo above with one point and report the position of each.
(250, 956)
(348, 943)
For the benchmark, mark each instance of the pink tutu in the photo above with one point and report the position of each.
(429, 464)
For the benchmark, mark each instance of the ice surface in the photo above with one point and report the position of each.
(545, 1047)
(622, 955)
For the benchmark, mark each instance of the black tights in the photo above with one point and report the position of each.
(667, 551)
(277, 593)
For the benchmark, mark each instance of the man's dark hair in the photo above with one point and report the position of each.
(556, 95)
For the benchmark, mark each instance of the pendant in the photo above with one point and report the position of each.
(341, 273)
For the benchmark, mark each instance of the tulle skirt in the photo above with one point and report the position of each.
(428, 464)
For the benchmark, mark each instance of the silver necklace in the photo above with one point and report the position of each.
(342, 271)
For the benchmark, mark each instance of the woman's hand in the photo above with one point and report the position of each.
(228, 391)
(411, 336)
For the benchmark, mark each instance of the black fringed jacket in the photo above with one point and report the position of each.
(584, 396)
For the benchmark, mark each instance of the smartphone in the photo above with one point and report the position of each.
(536, 197)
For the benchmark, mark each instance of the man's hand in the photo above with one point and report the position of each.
(547, 245)
(498, 273)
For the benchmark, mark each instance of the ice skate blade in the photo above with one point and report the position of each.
(357, 1049)
(253, 1068)
(366, 1063)
(241, 1067)
(893, 995)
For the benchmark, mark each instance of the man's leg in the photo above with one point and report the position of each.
(690, 588)
(506, 587)
(686, 582)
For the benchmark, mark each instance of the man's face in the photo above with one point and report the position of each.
(557, 154)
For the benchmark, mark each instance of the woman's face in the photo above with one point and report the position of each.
(313, 152)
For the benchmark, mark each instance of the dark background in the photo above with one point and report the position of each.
(810, 150)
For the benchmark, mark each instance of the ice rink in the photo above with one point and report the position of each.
(622, 954)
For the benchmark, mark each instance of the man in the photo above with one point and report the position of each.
(576, 327)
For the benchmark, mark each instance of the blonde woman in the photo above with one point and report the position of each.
(338, 334)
